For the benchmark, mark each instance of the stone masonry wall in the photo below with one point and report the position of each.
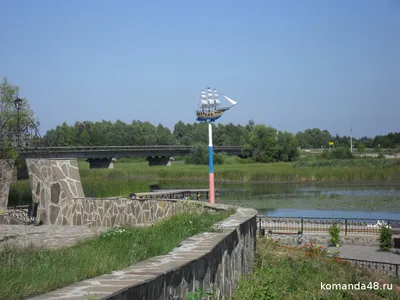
(208, 260)
(109, 212)
(6, 173)
(53, 182)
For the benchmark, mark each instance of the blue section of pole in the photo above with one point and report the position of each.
(211, 159)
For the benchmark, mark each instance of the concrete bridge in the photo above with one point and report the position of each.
(102, 156)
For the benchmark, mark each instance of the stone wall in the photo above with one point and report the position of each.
(6, 173)
(208, 260)
(53, 182)
(117, 211)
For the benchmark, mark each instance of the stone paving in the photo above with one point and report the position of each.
(46, 236)
(368, 253)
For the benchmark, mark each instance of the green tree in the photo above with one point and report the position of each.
(286, 147)
(361, 148)
(261, 144)
(8, 118)
(198, 155)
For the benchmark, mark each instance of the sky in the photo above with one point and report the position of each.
(292, 65)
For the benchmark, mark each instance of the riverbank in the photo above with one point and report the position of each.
(284, 272)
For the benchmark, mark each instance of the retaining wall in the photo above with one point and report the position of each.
(208, 260)
(117, 211)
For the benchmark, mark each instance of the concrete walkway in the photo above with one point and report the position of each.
(46, 236)
(367, 253)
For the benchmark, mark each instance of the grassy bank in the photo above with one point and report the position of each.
(26, 272)
(283, 272)
(301, 171)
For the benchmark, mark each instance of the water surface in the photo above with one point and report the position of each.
(314, 200)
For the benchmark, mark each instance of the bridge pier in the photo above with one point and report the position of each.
(159, 161)
(100, 163)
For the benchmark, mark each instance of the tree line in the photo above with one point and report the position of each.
(106, 133)
(261, 143)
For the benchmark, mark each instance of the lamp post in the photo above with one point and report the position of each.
(20, 131)
(18, 105)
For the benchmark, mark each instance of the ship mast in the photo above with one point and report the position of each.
(216, 101)
(210, 99)
(204, 102)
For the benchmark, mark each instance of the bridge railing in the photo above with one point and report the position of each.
(139, 148)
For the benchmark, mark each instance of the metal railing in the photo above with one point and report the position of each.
(322, 225)
(138, 148)
(383, 268)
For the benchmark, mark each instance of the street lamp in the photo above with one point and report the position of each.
(21, 135)
(18, 105)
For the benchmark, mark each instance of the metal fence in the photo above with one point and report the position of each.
(285, 225)
(383, 268)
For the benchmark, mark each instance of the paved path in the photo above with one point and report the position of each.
(368, 253)
(45, 236)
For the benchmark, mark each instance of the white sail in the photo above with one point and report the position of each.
(211, 102)
(233, 102)
(216, 100)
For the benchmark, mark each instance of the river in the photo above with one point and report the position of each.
(315, 200)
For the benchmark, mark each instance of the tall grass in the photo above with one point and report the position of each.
(133, 176)
(113, 187)
(27, 272)
(283, 272)
(301, 171)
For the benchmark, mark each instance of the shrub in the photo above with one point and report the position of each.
(334, 231)
(385, 239)
(381, 155)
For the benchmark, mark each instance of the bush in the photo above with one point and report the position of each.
(385, 239)
(334, 233)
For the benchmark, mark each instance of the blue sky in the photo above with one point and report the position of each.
(292, 64)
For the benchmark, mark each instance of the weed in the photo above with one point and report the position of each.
(385, 238)
(334, 232)
(112, 250)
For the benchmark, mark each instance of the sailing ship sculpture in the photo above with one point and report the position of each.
(210, 106)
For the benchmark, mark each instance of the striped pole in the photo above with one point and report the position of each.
(211, 165)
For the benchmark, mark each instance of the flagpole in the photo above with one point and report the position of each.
(211, 165)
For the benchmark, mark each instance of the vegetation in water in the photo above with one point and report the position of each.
(26, 272)
(285, 272)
